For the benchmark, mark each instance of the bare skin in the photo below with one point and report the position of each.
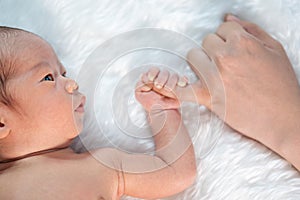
(261, 89)
(51, 114)
(261, 96)
(59, 175)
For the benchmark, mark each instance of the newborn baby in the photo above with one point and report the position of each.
(41, 111)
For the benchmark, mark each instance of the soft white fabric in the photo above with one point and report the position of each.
(229, 165)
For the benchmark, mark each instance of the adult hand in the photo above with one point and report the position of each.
(262, 94)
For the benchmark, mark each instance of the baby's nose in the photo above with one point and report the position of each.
(71, 86)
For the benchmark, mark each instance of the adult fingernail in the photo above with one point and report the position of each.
(231, 17)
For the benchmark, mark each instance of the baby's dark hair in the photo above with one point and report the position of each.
(8, 40)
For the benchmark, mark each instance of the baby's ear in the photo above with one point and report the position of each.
(4, 128)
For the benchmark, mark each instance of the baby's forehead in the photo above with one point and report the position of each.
(24, 50)
(33, 50)
(32, 42)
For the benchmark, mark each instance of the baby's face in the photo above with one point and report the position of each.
(51, 106)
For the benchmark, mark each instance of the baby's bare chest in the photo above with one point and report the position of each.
(58, 188)
(49, 184)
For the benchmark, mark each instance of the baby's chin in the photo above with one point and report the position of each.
(78, 123)
(75, 132)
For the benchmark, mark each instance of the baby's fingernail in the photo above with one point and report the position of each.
(158, 86)
(146, 88)
(181, 83)
(151, 77)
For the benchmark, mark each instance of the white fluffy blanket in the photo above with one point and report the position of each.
(104, 45)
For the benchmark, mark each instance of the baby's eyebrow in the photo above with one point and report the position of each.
(44, 64)
(39, 66)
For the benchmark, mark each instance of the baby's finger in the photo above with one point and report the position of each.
(144, 78)
(183, 81)
(171, 83)
(141, 87)
(152, 73)
(148, 84)
(161, 79)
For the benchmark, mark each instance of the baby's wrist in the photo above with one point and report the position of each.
(156, 108)
(160, 115)
(158, 111)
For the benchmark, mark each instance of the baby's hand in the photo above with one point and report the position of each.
(156, 90)
(163, 82)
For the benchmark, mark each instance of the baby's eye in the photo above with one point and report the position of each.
(48, 77)
(64, 74)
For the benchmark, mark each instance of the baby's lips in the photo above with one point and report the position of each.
(80, 107)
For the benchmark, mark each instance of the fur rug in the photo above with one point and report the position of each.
(105, 44)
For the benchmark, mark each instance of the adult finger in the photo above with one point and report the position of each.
(253, 29)
(195, 92)
(229, 30)
(200, 63)
(203, 68)
(212, 44)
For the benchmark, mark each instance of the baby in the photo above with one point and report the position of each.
(41, 111)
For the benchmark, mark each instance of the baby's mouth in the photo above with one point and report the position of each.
(80, 108)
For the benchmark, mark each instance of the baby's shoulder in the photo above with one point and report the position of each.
(80, 171)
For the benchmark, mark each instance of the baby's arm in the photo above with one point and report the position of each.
(170, 171)
(173, 167)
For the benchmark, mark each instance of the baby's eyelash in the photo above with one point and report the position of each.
(48, 77)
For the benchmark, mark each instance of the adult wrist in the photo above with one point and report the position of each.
(289, 147)
(283, 136)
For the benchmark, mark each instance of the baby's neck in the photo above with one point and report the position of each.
(11, 160)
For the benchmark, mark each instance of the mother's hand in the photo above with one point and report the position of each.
(262, 94)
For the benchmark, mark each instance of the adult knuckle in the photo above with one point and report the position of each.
(235, 35)
(207, 40)
(251, 26)
(240, 41)
(222, 60)
(219, 57)
(278, 44)
(223, 26)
